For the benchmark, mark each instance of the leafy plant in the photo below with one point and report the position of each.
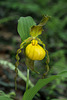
(42, 82)
(55, 32)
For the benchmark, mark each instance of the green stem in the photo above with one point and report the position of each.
(27, 83)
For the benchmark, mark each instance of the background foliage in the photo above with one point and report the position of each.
(54, 36)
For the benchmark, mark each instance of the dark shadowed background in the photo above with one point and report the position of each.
(54, 37)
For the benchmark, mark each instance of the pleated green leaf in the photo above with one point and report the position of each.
(29, 94)
(24, 27)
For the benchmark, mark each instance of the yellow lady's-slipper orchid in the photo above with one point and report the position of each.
(32, 48)
(34, 51)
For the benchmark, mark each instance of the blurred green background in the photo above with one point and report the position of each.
(54, 37)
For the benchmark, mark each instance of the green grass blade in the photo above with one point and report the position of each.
(29, 94)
